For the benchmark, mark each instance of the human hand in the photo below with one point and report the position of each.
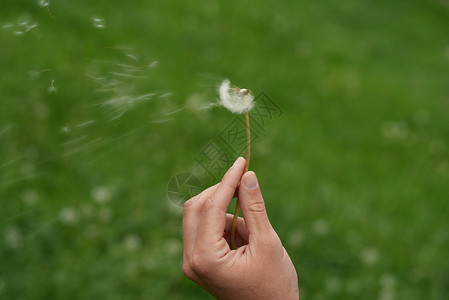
(260, 268)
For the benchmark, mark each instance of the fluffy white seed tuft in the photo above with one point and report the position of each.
(235, 99)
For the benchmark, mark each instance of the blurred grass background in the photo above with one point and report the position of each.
(354, 173)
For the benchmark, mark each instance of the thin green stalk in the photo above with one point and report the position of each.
(237, 205)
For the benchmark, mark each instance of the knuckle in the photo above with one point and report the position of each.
(228, 185)
(187, 270)
(271, 243)
(257, 206)
(191, 201)
(208, 204)
(197, 264)
(187, 204)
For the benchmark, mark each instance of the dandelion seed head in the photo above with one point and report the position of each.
(235, 99)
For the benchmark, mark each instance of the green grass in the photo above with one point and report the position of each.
(354, 172)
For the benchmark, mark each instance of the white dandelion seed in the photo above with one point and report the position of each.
(44, 3)
(235, 99)
(52, 88)
(98, 23)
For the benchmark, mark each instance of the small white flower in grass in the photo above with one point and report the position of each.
(87, 210)
(369, 256)
(332, 285)
(13, 237)
(173, 247)
(132, 242)
(30, 197)
(320, 227)
(235, 99)
(149, 263)
(105, 214)
(69, 216)
(101, 194)
(296, 238)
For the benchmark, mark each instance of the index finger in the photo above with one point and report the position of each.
(213, 218)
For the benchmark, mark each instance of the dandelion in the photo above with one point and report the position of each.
(235, 99)
(45, 3)
(238, 101)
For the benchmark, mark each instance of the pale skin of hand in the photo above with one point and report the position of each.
(260, 268)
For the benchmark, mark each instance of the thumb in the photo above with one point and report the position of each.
(253, 206)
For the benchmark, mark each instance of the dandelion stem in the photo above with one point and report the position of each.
(49, 12)
(237, 205)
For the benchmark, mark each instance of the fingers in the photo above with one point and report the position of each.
(253, 206)
(213, 218)
(191, 217)
(241, 234)
(190, 223)
(241, 226)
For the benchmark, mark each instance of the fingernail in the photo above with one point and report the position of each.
(251, 180)
(237, 161)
